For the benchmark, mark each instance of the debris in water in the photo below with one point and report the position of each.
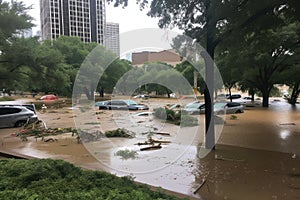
(199, 187)
(162, 133)
(287, 124)
(153, 147)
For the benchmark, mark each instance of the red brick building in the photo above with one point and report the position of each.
(166, 56)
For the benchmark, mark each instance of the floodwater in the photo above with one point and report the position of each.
(256, 156)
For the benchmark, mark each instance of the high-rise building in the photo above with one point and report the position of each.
(112, 37)
(81, 18)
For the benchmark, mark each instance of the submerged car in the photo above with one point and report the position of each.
(228, 108)
(101, 103)
(17, 115)
(122, 105)
(195, 108)
(219, 108)
(49, 97)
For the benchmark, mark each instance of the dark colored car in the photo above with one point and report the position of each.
(17, 115)
(121, 105)
(233, 96)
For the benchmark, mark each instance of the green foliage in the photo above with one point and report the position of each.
(233, 117)
(178, 118)
(126, 154)
(6, 98)
(56, 179)
(14, 18)
(120, 132)
(160, 113)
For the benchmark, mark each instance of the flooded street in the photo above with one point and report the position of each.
(257, 155)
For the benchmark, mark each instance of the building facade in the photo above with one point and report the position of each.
(81, 18)
(112, 37)
(166, 56)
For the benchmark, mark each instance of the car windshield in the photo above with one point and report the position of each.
(130, 102)
(194, 105)
(219, 105)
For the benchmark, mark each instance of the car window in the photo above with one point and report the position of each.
(232, 104)
(195, 105)
(131, 102)
(219, 105)
(6, 111)
(118, 103)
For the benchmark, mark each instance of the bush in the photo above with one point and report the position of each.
(6, 99)
(160, 113)
(120, 132)
(177, 118)
(187, 120)
(126, 154)
(56, 179)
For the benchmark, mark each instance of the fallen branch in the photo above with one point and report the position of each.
(229, 159)
(200, 186)
(287, 124)
(151, 147)
(162, 133)
(158, 141)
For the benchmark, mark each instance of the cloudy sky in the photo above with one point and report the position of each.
(129, 18)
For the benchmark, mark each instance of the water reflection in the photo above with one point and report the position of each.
(284, 134)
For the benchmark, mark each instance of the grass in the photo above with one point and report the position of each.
(6, 98)
(127, 154)
(92, 123)
(233, 117)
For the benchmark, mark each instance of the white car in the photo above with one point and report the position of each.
(228, 108)
(17, 115)
(219, 108)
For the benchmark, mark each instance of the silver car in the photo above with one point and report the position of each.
(16, 115)
(228, 108)
(219, 108)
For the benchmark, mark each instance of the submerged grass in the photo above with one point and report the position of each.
(127, 154)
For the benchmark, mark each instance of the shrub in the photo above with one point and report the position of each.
(56, 179)
(177, 118)
(6, 99)
(126, 154)
(160, 113)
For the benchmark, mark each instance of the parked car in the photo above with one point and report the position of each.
(228, 108)
(195, 108)
(233, 96)
(143, 114)
(143, 96)
(49, 97)
(219, 108)
(17, 115)
(101, 103)
(122, 105)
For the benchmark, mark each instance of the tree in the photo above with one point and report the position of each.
(13, 19)
(188, 71)
(13, 55)
(17, 63)
(265, 61)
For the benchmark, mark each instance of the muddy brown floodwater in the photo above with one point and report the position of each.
(256, 156)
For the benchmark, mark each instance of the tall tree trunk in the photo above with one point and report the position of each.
(295, 94)
(252, 93)
(229, 90)
(209, 94)
(265, 93)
